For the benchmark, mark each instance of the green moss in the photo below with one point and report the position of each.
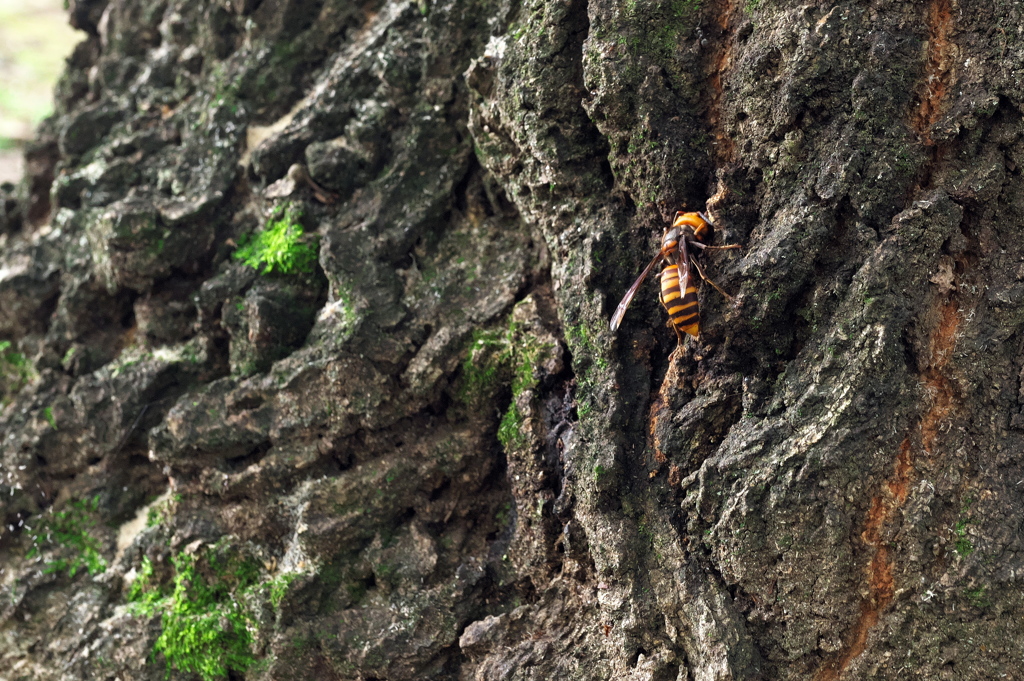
(504, 514)
(666, 40)
(15, 372)
(48, 415)
(497, 358)
(191, 354)
(142, 595)
(653, 30)
(280, 247)
(645, 534)
(583, 343)
(205, 628)
(346, 305)
(978, 597)
(963, 545)
(488, 353)
(279, 587)
(512, 355)
(158, 513)
(584, 346)
(67, 533)
(510, 430)
(682, 8)
(385, 570)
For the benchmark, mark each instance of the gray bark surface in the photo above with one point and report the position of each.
(427, 457)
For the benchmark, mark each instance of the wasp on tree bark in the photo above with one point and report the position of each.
(678, 290)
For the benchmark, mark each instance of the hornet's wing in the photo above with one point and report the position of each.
(620, 311)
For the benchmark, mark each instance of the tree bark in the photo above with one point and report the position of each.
(427, 456)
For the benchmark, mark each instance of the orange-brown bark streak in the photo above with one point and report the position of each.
(938, 68)
(940, 397)
(726, 12)
(941, 402)
(881, 585)
(660, 407)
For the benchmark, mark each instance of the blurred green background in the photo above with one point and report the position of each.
(34, 40)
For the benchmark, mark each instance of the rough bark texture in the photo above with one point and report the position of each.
(429, 458)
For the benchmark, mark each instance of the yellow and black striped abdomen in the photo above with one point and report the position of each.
(680, 299)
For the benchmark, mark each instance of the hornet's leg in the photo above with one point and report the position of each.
(705, 278)
(703, 247)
